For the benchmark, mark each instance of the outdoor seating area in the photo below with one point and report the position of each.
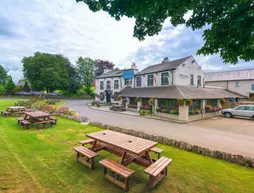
(14, 110)
(130, 149)
(37, 118)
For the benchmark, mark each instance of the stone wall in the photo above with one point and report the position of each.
(237, 159)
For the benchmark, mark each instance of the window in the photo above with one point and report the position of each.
(252, 87)
(101, 85)
(199, 80)
(138, 81)
(191, 79)
(212, 102)
(249, 108)
(128, 81)
(240, 108)
(150, 80)
(116, 84)
(108, 85)
(237, 83)
(164, 78)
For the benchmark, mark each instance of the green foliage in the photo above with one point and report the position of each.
(86, 67)
(10, 86)
(2, 89)
(26, 87)
(3, 76)
(229, 25)
(47, 71)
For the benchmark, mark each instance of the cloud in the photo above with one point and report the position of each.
(70, 28)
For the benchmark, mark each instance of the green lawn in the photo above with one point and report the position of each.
(43, 160)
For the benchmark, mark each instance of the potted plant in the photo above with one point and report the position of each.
(180, 102)
(138, 99)
(188, 102)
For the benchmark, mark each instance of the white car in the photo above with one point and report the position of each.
(242, 110)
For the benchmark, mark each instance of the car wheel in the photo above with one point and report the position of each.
(228, 115)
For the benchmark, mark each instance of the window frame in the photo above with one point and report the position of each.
(163, 78)
(138, 83)
(191, 79)
(199, 80)
(108, 86)
(237, 83)
(101, 85)
(129, 81)
(149, 75)
(116, 82)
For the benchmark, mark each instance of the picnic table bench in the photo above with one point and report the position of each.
(85, 156)
(15, 110)
(158, 170)
(130, 149)
(118, 170)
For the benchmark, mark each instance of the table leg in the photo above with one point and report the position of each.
(148, 157)
(94, 145)
(123, 157)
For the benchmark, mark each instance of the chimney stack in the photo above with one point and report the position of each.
(166, 59)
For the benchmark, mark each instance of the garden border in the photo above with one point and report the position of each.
(232, 158)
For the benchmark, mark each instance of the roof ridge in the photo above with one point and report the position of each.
(177, 86)
(230, 71)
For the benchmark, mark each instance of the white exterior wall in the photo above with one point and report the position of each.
(221, 84)
(112, 79)
(183, 72)
(98, 90)
(245, 87)
(144, 79)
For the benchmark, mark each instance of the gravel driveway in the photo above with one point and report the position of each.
(229, 135)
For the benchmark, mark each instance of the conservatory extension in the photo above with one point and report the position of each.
(181, 103)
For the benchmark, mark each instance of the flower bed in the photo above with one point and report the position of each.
(210, 109)
(167, 110)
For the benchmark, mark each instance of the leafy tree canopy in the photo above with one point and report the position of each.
(10, 86)
(47, 71)
(86, 67)
(3, 75)
(230, 22)
(102, 65)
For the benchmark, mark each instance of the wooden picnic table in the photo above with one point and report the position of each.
(130, 148)
(36, 115)
(15, 110)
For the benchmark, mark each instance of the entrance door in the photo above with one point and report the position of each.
(108, 96)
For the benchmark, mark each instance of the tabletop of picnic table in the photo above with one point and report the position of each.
(37, 114)
(16, 107)
(129, 143)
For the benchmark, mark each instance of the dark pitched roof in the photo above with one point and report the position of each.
(247, 74)
(166, 65)
(113, 73)
(176, 92)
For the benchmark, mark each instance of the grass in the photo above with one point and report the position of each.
(44, 161)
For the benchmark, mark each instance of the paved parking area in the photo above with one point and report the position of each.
(229, 135)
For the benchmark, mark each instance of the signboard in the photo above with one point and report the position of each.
(128, 74)
(183, 76)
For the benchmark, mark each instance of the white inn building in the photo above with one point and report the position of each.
(164, 83)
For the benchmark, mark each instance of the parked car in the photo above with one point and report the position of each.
(242, 110)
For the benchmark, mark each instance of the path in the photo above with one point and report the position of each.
(205, 133)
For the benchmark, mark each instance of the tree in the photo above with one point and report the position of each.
(26, 87)
(10, 86)
(47, 71)
(75, 84)
(229, 24)
(3, 76)
(102, 65)
(86, 68)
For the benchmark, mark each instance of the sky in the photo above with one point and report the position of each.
(71, 29)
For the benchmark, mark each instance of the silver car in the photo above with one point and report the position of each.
(242, 110)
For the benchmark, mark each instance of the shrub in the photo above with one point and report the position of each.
(188, 102)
